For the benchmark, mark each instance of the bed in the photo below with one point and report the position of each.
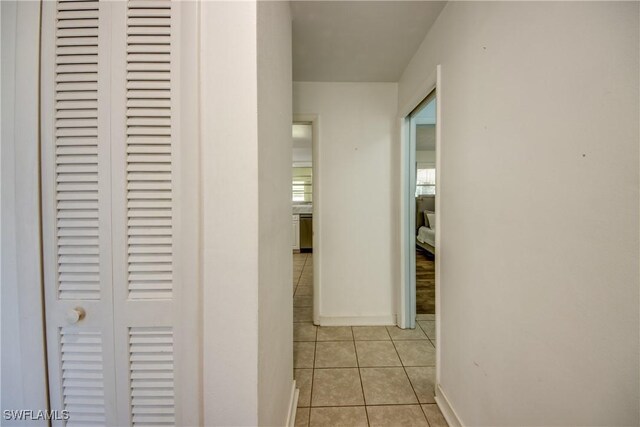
(425, 236)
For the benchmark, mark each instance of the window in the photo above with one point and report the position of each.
(425, 180)
(302, 185)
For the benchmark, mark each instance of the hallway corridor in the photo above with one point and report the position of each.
(360, 376)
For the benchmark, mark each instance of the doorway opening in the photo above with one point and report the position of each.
(420, 206)
(420, 296)
(420, 211)
(302, 199)
(423, 135)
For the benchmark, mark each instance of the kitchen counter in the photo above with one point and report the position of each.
(302, 209)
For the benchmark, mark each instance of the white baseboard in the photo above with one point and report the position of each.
(293, 405)
(447, 410)
(357, 320)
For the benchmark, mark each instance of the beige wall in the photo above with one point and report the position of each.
(247, 265)
(229, 143)
(275, 305)
(539, 210)
(353, 181)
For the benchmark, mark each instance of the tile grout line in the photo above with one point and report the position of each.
(314, 342)
(300, 275)
(313, 375)
(295, 289)
(404, 368)
(304, 264)
(364, 399)
(298, 285)
(425, 332)
(315, 347)
(425, 416)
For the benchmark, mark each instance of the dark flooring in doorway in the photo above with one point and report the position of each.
(425, 283)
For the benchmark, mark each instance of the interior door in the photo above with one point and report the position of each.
(121, 333)
(76, 200)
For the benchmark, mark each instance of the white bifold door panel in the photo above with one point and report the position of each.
(121, 331)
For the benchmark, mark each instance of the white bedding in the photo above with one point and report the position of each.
(426, 235)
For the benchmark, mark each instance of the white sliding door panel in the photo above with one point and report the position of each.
(76, 204)
(126, 201)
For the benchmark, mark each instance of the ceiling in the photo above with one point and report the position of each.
(358, 41)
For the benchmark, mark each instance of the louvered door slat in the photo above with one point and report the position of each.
(63, 69)
(149, 154)
(77, 145)
(149, 39)
(78, 32)
(152, 386)
(78, 23)
(82, 376)
(77, 5)
(146, 4)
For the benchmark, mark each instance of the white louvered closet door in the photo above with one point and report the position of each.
(76, 202)
(112, 212)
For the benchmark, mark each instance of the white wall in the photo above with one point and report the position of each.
(302, 145)
(229, 164)
(539, 204)
(275, 330)
(353, 179)
(302, 157)
(23, 374)
(246, 201)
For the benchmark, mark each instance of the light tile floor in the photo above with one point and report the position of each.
(361, 375)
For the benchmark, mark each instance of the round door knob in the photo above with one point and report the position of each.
(75, 315)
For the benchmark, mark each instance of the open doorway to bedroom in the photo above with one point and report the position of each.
(420, 225)
(423, 123)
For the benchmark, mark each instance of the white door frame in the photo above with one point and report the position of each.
(407, 291)
(408, 184)
(24, 385)
(314, 119)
